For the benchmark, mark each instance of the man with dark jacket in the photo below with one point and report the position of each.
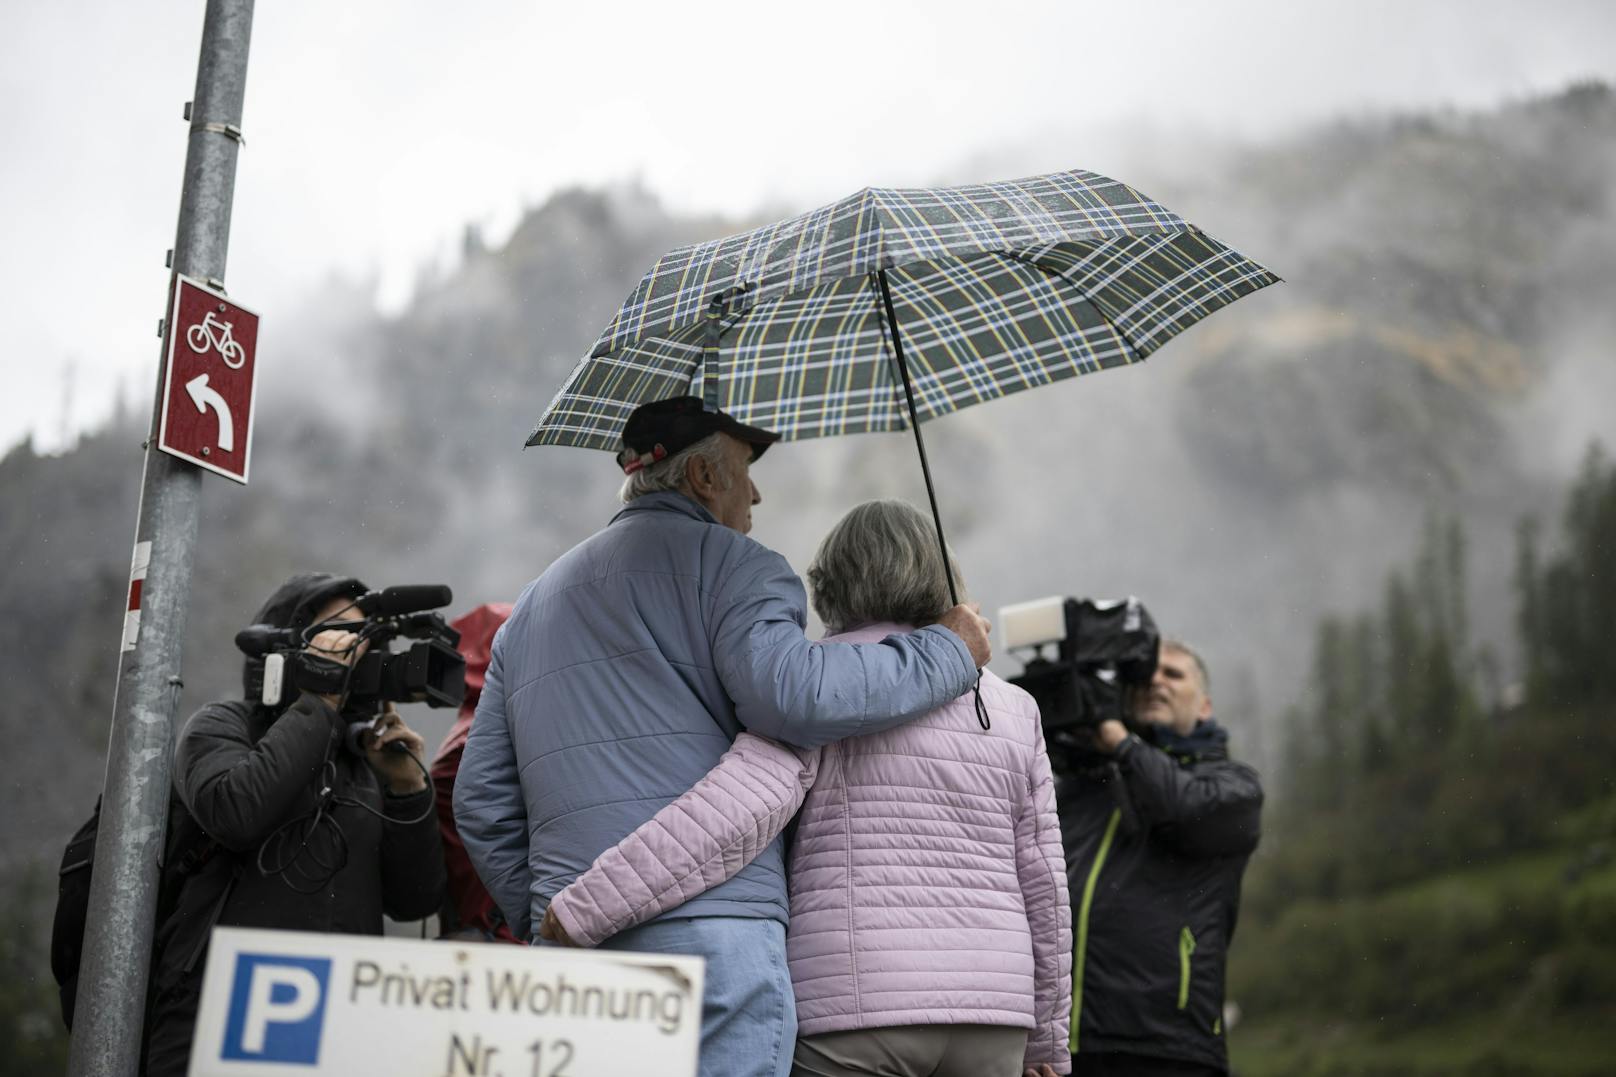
(308, 832)
(1157, 834)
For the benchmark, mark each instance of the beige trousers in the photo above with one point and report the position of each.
(913, 1051)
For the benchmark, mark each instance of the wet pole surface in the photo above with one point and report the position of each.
(118, 933)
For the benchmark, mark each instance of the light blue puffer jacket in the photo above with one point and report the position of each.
(623, 675)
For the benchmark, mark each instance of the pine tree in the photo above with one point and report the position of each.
(1333, 710)
(1403, 659)
(1568, 604)
(1529, 608)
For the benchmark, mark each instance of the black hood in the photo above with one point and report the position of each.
(293, 605)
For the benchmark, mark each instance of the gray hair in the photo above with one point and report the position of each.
(881, 562)
(1195, 656)
(669, 474)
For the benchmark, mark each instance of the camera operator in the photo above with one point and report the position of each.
(1157, 833)
(307, 828)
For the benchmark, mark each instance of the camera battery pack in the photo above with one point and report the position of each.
(274, 679)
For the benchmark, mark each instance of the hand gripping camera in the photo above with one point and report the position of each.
(429, 671)
(1104, 651)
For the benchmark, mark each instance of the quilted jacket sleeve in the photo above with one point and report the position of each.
(238, 790)
(692, 844)
(1041, 868)
(808, 694)
(489, 809)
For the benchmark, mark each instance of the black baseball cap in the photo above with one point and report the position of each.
(657, 430)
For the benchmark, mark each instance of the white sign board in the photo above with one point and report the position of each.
(289, 1004)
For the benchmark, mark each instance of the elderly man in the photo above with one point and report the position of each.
(624, 673)
(1156, 839)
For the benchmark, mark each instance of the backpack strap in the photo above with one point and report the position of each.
(73, 911)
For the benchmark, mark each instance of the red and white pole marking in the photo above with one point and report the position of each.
(137, 579)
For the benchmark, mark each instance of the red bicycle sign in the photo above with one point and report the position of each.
(208, 385)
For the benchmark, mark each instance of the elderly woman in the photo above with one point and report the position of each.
(930, 931)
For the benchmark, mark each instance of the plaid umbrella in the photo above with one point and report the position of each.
(809, 326)
(891, 307)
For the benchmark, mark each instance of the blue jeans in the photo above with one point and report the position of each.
(748, 1014)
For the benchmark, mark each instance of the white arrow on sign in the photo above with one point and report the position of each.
(204, 395)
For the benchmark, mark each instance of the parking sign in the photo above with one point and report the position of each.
(277, 1009)
(291, 1004)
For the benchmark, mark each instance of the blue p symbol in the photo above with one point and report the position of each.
(277, 1009)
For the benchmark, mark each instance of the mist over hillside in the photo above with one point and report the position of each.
(1444, 343)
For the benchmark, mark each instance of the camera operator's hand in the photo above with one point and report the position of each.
(337, 645)
(1109, 737)
(1043, 1070)
(967, 622)
(404, 770)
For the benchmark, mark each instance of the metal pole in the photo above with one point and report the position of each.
(110, 1008)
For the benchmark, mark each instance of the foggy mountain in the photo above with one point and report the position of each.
(1443, 344)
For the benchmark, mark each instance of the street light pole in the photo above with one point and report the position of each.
(113, 973)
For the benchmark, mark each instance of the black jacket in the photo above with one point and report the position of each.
(1156, 841)
(252, 777)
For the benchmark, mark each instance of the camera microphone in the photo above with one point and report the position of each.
(397, 601)
(259, 640)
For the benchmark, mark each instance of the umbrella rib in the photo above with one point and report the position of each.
(1121, 333)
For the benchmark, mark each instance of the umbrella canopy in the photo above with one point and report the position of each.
(804, 326)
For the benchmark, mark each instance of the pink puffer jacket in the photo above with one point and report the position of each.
(928, 884)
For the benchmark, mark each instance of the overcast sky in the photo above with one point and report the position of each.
(376, 130)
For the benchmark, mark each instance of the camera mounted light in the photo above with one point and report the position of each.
(1033, 624)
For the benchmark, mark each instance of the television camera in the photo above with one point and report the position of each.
(429, 671)
(1104, 652)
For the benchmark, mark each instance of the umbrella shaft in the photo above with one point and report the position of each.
(925, 469)
(914, 424)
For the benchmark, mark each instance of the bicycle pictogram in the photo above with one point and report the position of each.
(213, 332)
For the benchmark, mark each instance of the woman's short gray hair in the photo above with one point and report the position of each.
(669, 474)
(881, 562)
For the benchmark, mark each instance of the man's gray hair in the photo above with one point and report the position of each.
(669, 474)
(881, 562)
(1195, 656)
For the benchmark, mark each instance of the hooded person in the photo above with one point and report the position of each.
(468, 909)
(307, 831)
